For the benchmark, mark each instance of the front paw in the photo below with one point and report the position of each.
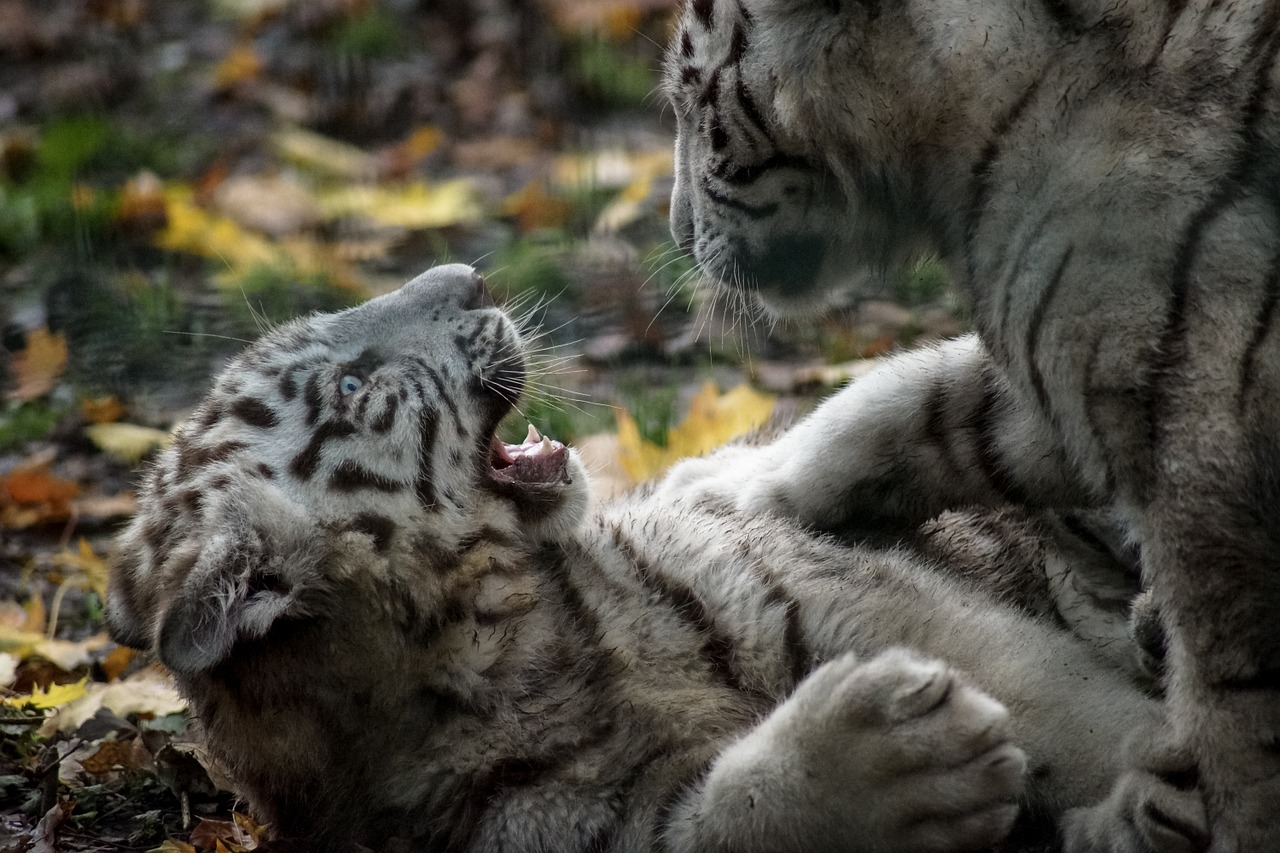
(739, 478)
(1155, 807)
(898, 753)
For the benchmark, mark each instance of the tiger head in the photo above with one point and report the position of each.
(807, 137)
(356, 442)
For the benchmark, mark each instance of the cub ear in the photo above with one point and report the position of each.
(239, 583)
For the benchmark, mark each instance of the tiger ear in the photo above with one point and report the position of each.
(241, 582)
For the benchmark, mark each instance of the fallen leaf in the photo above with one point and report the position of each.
(171, 846)
(147, 691)
(117, 661)
(413, 206)
(713, 419)
(272, 204)
(240, 65)
(88, 567)
(129, 442)
(533, 207)
(313, 151)
(31, 494)
(102, 410)
(44, 698)
(37, 366)
(140, 206)
(236, 835)
(8, 669)
(398, 160)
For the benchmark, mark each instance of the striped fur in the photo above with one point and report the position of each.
(385, 648)
(1103, 179)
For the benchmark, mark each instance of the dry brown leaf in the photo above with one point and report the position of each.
(102, 410)
(30, 494)
(235, 836)
(140, 208)
(272, 204)
(533, 207)
(36, 368)
(147, 691)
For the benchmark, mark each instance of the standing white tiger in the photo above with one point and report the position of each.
(1103, 178)
(399, 632)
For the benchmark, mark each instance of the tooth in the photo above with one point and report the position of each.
(532, 437)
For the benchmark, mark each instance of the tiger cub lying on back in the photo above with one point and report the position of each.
(397, 630)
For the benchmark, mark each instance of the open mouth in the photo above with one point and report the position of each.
(537, 461)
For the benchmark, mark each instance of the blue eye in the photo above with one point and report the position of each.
(350, 384)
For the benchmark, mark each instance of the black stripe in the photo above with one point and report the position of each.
(737, 44)
(311, 395)
(702, 10)
(1087, 394)
(1064, 16)
(987, 454)
(255, 412)
(287, 385)
(734, 174)
(304, 465)
(351, 476)
(424, 484)
(387, 417)
(1171, 352)
(1171, 18)
(936, 429)
(980, 182)
(717, 650)
(1036, 328)
(445, 396)
(1261, 328)
(194, 457)
(755, 212)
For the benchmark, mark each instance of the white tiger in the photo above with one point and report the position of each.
(1103, 179)
(399, 632)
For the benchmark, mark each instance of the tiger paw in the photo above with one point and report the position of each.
(739, 478)
(900, 749)
(1155, 807)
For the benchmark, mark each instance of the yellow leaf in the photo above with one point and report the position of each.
(129, 442)
(90, 565)
(713, 419)
(413, 206)
(55, 695)
(313, 151)
(147, 691)
(191, 228)
(38, 366)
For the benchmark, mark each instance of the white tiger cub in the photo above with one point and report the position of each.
(1103, 178)
(401, 633)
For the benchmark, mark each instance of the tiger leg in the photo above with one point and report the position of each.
(924, 432)
(895, 753)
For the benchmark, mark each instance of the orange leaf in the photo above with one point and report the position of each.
(102, 410)
(37, 485)
(117, 661)
(241, 65)
(533, 207)
(38, 366)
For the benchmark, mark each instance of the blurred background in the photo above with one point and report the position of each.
(176, 175)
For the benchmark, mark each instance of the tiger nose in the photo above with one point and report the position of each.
(456, 283)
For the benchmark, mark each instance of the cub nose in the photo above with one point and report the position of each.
(455, 283)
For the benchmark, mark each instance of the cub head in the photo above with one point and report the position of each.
(809, 133)
(348, 448)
